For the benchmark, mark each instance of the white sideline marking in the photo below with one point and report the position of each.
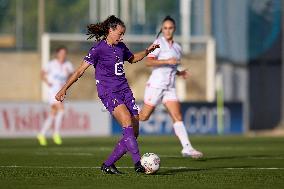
(61, 167)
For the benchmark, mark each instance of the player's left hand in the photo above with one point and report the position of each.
(184, 74)
(152, 47)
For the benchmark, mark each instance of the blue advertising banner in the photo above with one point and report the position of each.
(199, 118)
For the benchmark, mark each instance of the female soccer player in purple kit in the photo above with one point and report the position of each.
(108, 56)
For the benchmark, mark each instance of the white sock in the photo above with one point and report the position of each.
(58, 121)
(181, 133)
(47, 124)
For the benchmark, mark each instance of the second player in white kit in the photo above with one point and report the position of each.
(161, 84)
(55, 74)
(160, 87)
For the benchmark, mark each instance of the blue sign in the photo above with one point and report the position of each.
(199, 118)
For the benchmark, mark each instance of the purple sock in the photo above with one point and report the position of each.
(131, 143)
(119, 150)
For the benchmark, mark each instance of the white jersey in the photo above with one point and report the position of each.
(57, 74)
(164, 76)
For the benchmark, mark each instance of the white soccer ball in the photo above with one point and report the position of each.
(151, 162)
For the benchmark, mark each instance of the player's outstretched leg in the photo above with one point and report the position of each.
(58, 121)
(132, 147)
(127, 143)
(119, 150)
(46, 126)
(188, 150)
(180, 130)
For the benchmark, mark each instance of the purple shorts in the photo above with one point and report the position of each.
(112, 99)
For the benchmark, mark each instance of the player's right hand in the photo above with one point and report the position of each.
(60, 95)
(173, 61)
(152, 47)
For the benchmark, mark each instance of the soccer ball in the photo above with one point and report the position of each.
(151, 162)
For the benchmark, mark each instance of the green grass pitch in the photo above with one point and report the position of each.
(229, 162)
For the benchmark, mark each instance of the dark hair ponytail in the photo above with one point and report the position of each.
(100, 30)
(167, 18)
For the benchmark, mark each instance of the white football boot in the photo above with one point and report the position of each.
(191, 153)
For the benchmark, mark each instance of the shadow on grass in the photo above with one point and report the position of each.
(238, 157)
(179, 170)
(187, 170)
(230, 157)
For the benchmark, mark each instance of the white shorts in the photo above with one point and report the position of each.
(154, 96)
(51, 96)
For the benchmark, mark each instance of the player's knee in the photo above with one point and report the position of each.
(125, 120)
(126, 123)
(53, 113)
(143, 117)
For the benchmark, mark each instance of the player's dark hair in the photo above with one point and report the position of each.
(167, 18)
(61, 48)
(100, 30)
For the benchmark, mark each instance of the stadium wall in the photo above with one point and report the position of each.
(20, 76)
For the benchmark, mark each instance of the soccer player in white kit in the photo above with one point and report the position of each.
(55, 75)
(161, 84)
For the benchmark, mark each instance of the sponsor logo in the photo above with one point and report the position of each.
(17, 120)
(119, 70)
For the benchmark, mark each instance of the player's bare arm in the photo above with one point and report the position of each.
(140, 55)
(74, 77)
(152, 62)
(44, 78)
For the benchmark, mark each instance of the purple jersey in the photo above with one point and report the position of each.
(108, 63)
